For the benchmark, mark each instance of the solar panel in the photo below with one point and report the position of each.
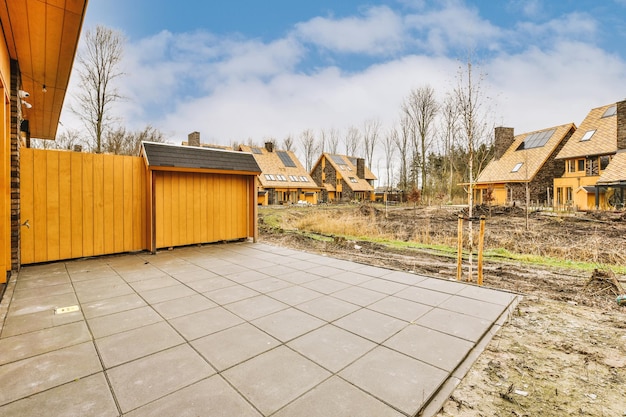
(338, 160)
(256, 150)
(536, 140)
(287, 161)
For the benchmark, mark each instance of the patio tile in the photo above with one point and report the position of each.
(325, 271)
(210, 284)
(273, 379)
(136, 343)
(350, 277)
(455, 324)
(337, 398)
(287, 324)
(47, 371)
(39, 304)
(112, 305)
(159, 295)
(331, 347)
(328, 308)
(183, 306)
(268, 284)
(326, 285)
(85, 397)
(91, 273)
(371, 325)
(205, 322)
(442, 285)
(430, 346)
(230, 294)
(372, 271)
(195, 275)
(359, 296)
(279, 270)
(39, 281)
(43, 291)
(396, 379)
(297, 276)
(476, 308)
(246, 276)
(153, 283)
(233, 346)
(226, 269)
(294, 295)
(384, 286)
(486, 294)
(423, 296)
(400, 308)
(35, 343)
(100, 289)
(147, 379)
(119, 322)
(25, 323)
(256, 307)
(404, 277)
(212, 397)
(141, 273)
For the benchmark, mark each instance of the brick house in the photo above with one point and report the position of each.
(343, 178)
(521, 160)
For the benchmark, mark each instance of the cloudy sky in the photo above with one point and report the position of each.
(246, 69)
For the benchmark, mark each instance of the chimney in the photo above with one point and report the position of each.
(78, 148)
(504, 138)
(621, 125)
(193, 139)
(360, 168)
(269, 146)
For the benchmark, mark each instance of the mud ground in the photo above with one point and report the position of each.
(563, 351)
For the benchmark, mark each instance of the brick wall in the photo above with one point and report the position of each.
(504, 137)
(193, 139)
(621, 125)
(15, 167)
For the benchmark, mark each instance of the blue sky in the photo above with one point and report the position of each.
(242, 70)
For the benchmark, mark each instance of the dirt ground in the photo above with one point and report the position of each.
(563, 351)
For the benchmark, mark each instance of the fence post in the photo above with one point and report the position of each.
(481, 242)
(459, 259)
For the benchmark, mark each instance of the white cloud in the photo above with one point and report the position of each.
(379, 31)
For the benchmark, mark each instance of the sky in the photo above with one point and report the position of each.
(243, 70)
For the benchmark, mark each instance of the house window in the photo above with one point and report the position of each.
(611, 111)
(581, 164)
(517, 167)
(559, 195)
(270, 177)
(571, 165)
(568, 195)
(587, 135)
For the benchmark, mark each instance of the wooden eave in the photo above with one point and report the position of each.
(42, 36)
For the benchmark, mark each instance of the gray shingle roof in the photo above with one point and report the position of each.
(164, 155)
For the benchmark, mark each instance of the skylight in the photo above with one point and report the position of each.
(611, 111)
(517, 167)
(286, 159)
(304, 179)
(587, 135)
(270, 177)
(352, 179)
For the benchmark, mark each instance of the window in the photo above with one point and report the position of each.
(270, 177)
(587, 135)
(571, 165)
(517, 167)
(304, 179)
(581, 164)
(568, 195)
(281, 177)
(352, 179)
(293, 178)
(611, 111)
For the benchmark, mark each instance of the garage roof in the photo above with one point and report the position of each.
(162, 156)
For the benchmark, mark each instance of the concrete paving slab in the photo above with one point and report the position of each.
(349, 339)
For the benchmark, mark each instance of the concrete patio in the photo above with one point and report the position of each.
(237, 329)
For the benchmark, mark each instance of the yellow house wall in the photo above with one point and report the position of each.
(219, 211)
(581, 200)
(80, 204)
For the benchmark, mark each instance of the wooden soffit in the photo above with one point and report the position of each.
(42, 36)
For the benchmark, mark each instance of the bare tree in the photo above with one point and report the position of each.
(371, 130)
(333, 140)
(421, 108)
(352, 141)
(402, 141)
(389, 143)
(309, 147)
(288, 143)
(98, 67)
(448, 133)
(67, 140)
(469, 97)
(121, 142)
(324, 136)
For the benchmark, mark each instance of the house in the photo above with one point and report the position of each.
(520, 161)
(343, 178)
(37, 48)
(283, 179)
(589, 181)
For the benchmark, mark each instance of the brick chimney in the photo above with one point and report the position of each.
(269, 146)
(360, 168)
(193, 139)
(504, 138)
(621, 125)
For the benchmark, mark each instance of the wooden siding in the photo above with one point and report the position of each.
(199, 208)
(81, 204)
